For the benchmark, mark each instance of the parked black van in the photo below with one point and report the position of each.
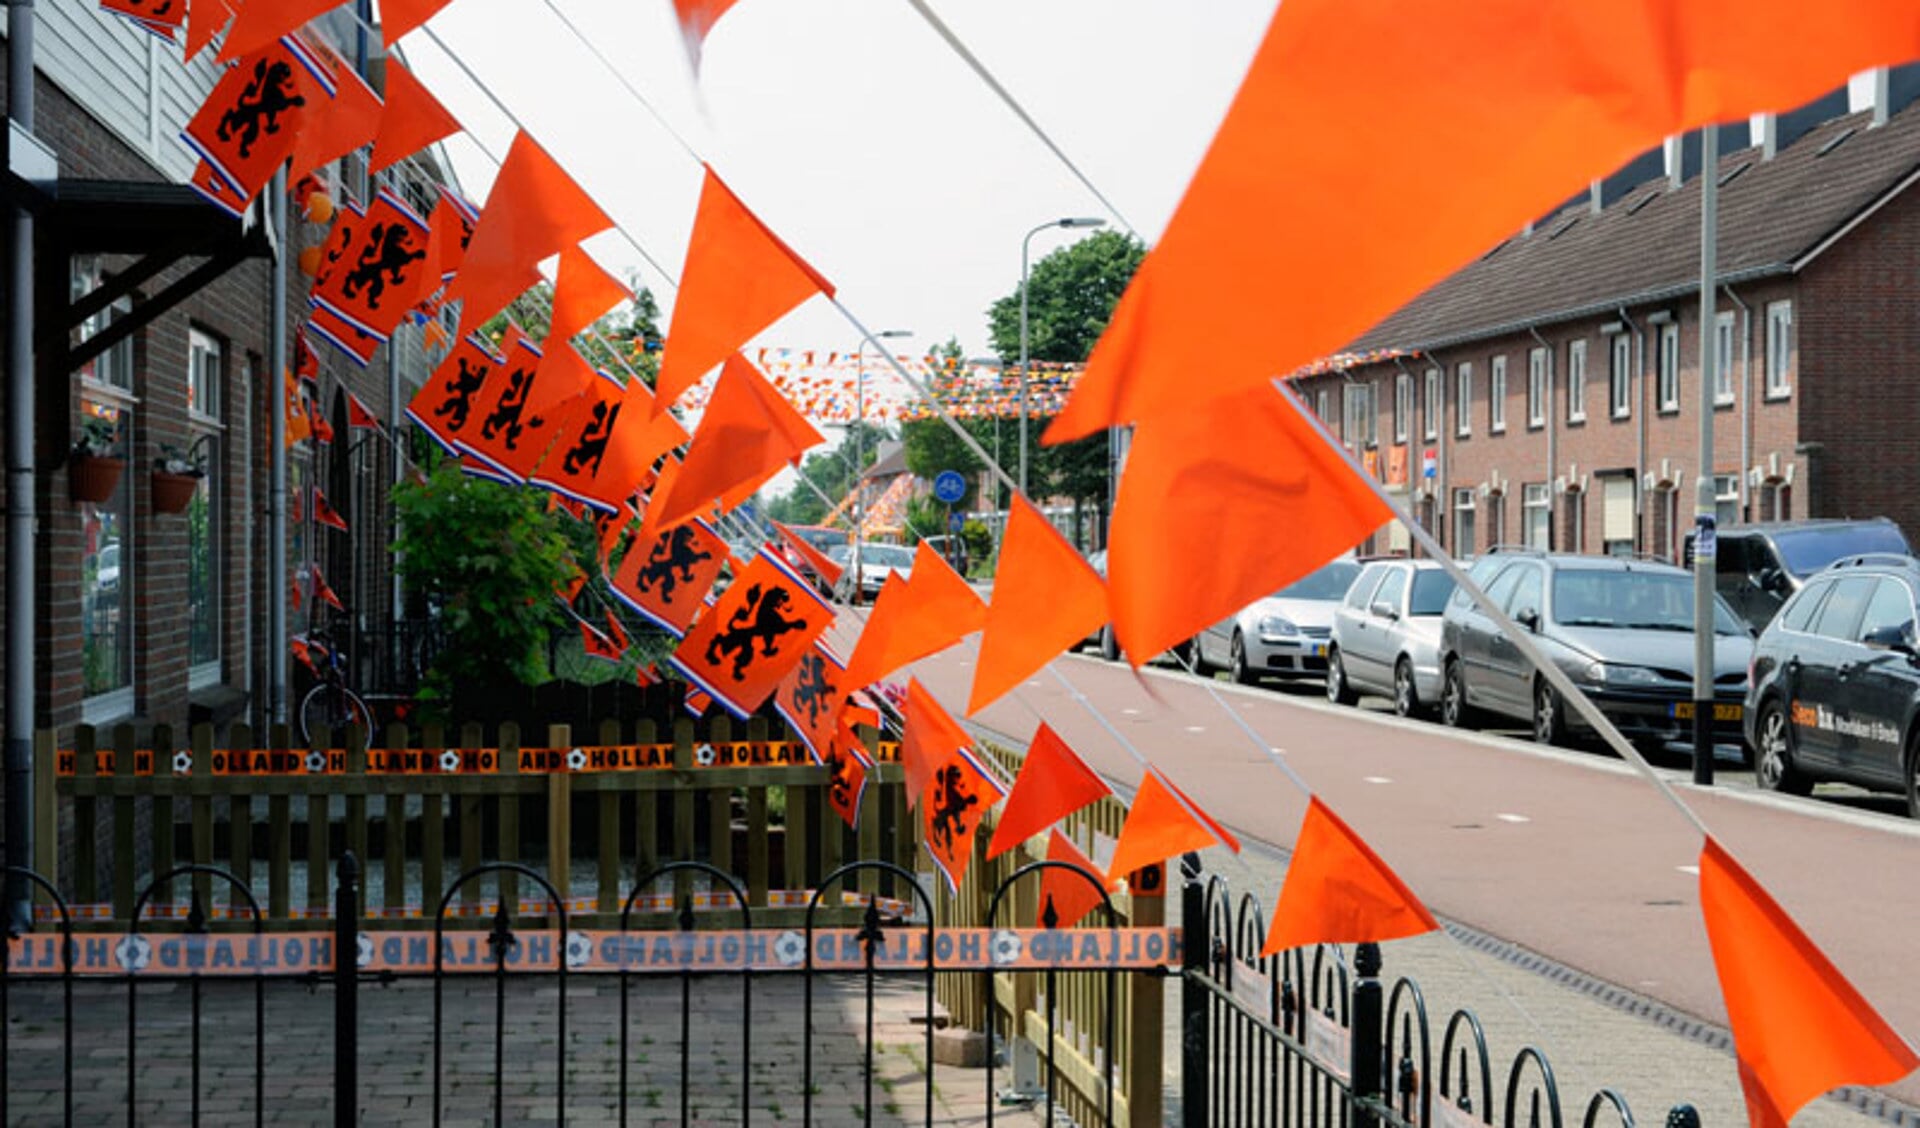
(1757, 567)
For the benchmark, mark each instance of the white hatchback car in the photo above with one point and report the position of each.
(1386, 635)
(1282, 635)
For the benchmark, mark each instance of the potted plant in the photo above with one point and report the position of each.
(93, 471)
(176, 478)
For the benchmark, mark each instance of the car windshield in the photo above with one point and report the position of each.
(1431, 587)
(839, 553)
(822, 538)
(885, 556)
(1330, 582)
(1806, 551)
(1623, 600)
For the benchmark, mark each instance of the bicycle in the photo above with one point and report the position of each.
(330, 703)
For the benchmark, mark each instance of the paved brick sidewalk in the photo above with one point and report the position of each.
(396, 1055)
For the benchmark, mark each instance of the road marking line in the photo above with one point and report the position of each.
(1504, 817)
(1129, 712)
(1196, 728)
(1691, 870)
(1376, 779)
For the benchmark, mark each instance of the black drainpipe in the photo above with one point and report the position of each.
(20, 721)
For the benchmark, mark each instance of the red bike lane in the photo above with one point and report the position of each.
(1568, 853)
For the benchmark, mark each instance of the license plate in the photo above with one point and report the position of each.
(1684, 711)
(1319, 650)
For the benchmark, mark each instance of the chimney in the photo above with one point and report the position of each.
(1782, 130)
(1733, 138)
(1632, 175)
(1894, 89)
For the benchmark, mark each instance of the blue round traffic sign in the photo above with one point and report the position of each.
(949, 486)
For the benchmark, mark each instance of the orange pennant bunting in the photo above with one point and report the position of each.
(583, 291)
(1053, 783)
(929, 737)
(697, 18)
(1584, 88)
(358, 414)
(738, 279)
(760, 627)
(1338, 891)
(1161, 823)
(336, 128)
(205, 18)
(806, 557)
(963, 791)
(524, 408)
(398, 17)
(747, 434)
(251, 118)
(1046, 598)
(913, 618)
(810, 698)
(412, 120)
(847, 769)
(1799, 1028)
(534, 210)
(598, 645)
(1065, 894)
(666, 577)
(1246, 473)
(259, 23)
(444, 406)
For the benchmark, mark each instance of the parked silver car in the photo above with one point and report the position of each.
(1386, 635)
(877, 562)
(1281, 635)
(1621, 629)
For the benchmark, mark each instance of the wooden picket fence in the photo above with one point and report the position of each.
(419, 811)
(1017, 1005)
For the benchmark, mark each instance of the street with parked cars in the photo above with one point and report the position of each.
(1816, 650)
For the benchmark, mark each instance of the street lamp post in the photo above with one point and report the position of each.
(1025, 245)
(859, 442)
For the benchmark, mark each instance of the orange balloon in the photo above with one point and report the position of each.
(310, 262)
(320, 207)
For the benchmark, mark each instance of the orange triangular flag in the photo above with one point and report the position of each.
(1053, 783)
(697, 18)
(1584, 90)
(1247, 474)
(964, 790)
(1338, 891)
(914, 618)
(534, 210)
(1799, 1028)
(738, 279)
(1066, 896)
(359, 415)
(747, 434)
(334, 129)
(929, 737)
(582, 293)
(822, 566)
(413, 118)
(1046, 597)
(398, 17)
(263, 21)
(1161, 823)
(205, 18)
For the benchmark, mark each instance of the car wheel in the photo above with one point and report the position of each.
(1549, 725)
(1454, 710)
(1237, 661)
(1338, 691)
(1406, 698)
(1773, 761)
(1109, 646)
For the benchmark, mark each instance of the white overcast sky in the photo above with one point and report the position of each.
(854, 132)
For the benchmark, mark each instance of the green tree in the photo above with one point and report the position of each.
(1070, 295)
(490, 556)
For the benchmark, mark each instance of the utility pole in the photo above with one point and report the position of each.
(1703, 512)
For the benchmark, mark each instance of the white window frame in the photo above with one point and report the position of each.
(1463, 502)
(1536, 388)
(1430, 423)
(1620, 377)
(1463, 399)
(1402, 406)
(206, 368)
(1723, 343)
(1726, 499)
(1536, 507)
(1577, 381)
(1667, 389)
(1323, 405)
(1780, 348)
(1357, 423)
(1497, 395)
(205, 356)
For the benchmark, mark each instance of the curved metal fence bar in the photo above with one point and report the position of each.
(1112, 985)
(871, 936)
(684, 923)
(13, 873)
(502, 941)
(1607, 1100)
(1545, 1086)
(1410, 1073)
(196, 926)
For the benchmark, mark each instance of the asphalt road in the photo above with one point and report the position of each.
(1569, 853)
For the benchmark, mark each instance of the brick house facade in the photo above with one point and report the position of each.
(1552, 386)
(161, 618)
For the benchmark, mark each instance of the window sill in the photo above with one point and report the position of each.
(1576, 420)
(1723, 404)
(1668, 409)
(1778, 395)
(107, 708)
(1621, 416)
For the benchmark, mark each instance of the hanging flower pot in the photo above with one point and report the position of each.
(172, 493)
(93, 478)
